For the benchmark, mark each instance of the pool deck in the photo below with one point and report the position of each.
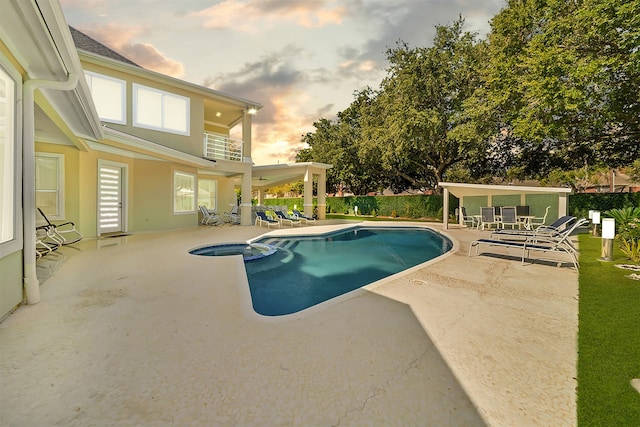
(135, 331)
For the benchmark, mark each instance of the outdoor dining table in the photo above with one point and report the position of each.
(526, 220)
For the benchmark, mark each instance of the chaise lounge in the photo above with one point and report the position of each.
(545, 244)
(262, 218)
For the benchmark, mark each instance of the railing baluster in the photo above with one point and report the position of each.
(217, 146)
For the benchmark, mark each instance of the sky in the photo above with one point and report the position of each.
(301, 59)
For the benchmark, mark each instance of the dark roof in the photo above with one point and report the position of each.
(86, 43)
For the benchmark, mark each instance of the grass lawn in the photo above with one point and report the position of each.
(608, 340)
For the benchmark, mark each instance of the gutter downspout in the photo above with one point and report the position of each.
(31, 284)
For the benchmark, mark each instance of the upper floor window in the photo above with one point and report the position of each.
(158, 110)
(109, 97)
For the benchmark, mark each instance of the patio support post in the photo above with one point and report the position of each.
(246, 136)
(445, 208)
(308, 192)
(245, 202)
(31, 283)
(322, 194)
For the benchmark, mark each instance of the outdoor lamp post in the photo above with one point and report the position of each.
(595, 219)
(608, 234)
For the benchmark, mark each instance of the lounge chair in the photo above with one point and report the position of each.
(551, 230)
(488, 217)
(44, 244)
(301, 217)
(232, 217)
(545, 244)
(59, 234)
(286, 219)
(209, 218)
(262, 218)
(508, 217)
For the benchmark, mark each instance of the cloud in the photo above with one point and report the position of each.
(119, 38)
(256, 15)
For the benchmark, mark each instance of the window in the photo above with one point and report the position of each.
(207, 189)
(158, 110)
(7, 157)
(108, 96)
(50, 184)
(184, 192)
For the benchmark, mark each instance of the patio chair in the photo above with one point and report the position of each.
(60, 234)
(539, 221)
(467, 219)
(488, 217)
(551, 230)
(301, 217)
(286, 219)
(208, 217)
(262, 218)
(44, 244)
(545, 244)
(508, 217)
(232, 217)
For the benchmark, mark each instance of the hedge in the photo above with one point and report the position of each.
(430, 206)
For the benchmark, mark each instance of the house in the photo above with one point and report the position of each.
(89, 136)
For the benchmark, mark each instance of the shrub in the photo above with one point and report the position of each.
(628, 229)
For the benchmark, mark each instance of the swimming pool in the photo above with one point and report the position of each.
(308, 270)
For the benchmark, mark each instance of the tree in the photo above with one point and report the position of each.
(416, 125)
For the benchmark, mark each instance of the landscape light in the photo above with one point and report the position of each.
(608, 234)
(590, 213)
(595, 219)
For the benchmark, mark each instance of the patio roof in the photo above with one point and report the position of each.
(461, 190)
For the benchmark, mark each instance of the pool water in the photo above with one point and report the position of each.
(307, 270)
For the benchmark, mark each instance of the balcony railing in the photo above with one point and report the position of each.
(217, 146)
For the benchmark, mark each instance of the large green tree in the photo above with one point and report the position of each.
(416, 125)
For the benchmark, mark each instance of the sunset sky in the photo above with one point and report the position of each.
(302, 60)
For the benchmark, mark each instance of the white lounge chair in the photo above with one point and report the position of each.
(60, 234)
(262, 218)
(209, 218)
(551, 230)
(286, 219)
(232, 217)
(545, 244)
(301, 217)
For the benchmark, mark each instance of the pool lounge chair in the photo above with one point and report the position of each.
(286, 219)
(301, 217)
(545, 244)
(551, 230)
(262, 218)
(232, 217)
(209, 218)
(60, 234)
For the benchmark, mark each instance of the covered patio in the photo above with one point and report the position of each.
(268, 176)
(475, 196)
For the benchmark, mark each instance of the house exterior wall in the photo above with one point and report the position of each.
(191, 144)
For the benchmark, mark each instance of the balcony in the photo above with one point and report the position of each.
(222, 147)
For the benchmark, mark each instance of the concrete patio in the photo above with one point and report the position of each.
(136, 331)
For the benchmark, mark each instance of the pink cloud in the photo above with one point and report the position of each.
(252, 15)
